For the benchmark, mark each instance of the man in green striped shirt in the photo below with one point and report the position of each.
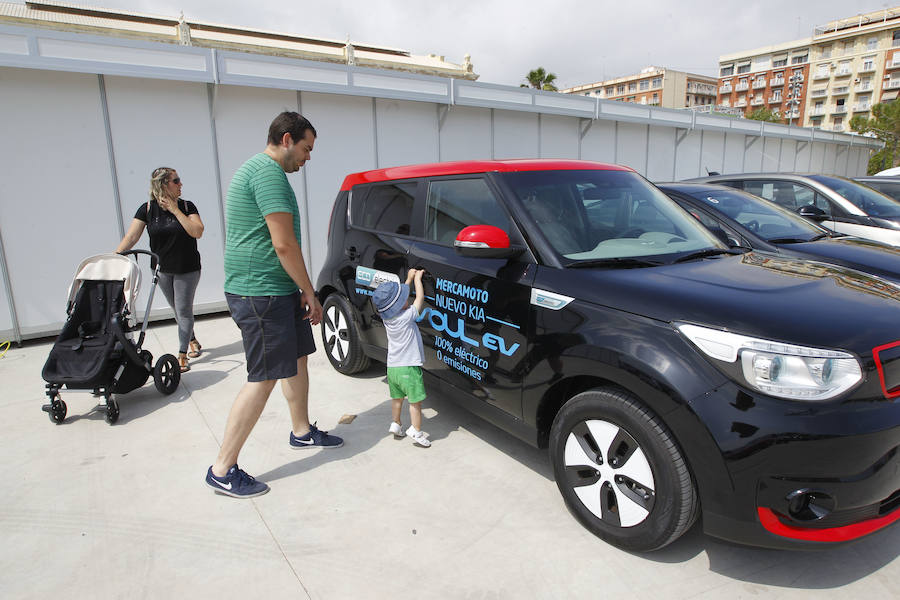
(271, 298)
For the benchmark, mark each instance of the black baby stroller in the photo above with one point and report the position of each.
(95, 350)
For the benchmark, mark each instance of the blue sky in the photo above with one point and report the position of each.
(582, 41)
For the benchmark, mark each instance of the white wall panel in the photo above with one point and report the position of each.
(687, 156)
(817, 157)
(466, 134)
(829, 163)
(753, 154)
(515, 134)
(734, 153)
(407, 132)
(599, 143)
(6, 321)
(631, 148)
(559, 137)
(803, 159)
(167, 123)
(788, 151)
(713, 158)
(57, 203)
(346, 144)
(661, 155)
(771, 154)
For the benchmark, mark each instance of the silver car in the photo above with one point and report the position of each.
(835, 202)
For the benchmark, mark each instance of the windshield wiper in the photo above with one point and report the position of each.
(624, 262)
(709, 252)
(795, 240)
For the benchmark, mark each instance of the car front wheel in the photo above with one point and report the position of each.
(621, 472)
(341, 337)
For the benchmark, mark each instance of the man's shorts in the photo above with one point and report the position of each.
(406, 382)
(275, 334)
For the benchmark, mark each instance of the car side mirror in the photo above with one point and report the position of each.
(812, 212)
(485, 241)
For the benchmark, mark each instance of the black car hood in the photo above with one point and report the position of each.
(756, 294)
(865, 255)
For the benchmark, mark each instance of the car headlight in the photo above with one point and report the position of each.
(779, 369)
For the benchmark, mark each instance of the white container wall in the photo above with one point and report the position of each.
(83, 130)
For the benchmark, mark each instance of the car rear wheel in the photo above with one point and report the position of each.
(341, 337)
(620, 471)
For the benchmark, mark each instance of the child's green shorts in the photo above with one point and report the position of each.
(406, 382)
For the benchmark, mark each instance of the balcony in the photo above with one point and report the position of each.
(742, 87)
(775, 99)
(841, 91)
(817, 111)
(725, 89)
(759, 84)
(891, 84)
(844, 72)
(819, 93)
(740, 104)
(867, 68)
(821, 75)
(861, 107)
(757, 102)
(863, 87)
(776, 82)
(894, 64)
(839, 109)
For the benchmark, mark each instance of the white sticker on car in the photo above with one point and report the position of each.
(546, 299)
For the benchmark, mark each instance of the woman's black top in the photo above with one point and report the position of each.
(177, 250)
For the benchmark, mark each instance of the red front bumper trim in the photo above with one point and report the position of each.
(773, 524)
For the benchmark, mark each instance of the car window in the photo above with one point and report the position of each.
(766, 219)
(597, 214)
(453, 204)
(720, 230)
(888, 188)
(871, 202)
(786, 194)
(387, 208)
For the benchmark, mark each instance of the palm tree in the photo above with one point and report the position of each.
(540, 80)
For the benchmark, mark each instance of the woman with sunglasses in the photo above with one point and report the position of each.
(174, 226)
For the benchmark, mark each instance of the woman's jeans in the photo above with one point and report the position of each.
(179, 289)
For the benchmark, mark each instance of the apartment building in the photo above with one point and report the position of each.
(62, 16)
(656, 86)
(822, 81)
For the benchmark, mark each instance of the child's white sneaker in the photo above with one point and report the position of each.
(419, 438)
(396, 429)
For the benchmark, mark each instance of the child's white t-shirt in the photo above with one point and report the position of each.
(404, 340)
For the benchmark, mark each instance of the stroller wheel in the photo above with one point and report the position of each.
(166, 374)
(112, 411)
(57, 409)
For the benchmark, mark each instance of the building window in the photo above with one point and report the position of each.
(726, 71)
(826, 52)
(744, 69)
(872, 44)
(848, 47)
(610, 90)
(645, 85)
(868, 63)
(632, 87)
(796, 60)
(895, 39)
(779, 63)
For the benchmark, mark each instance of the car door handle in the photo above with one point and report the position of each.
(351, 253)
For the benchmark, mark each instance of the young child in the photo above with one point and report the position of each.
(405, 352)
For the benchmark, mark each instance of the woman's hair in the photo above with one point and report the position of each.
(158, 179)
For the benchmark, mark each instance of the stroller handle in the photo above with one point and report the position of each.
(154, 259)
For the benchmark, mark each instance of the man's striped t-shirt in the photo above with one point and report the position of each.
(260, 187)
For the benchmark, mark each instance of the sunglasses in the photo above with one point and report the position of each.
(177, 180)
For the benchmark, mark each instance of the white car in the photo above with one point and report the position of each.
(837, 203)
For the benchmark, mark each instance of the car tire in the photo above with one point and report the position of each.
(621, 472)
(341, 337)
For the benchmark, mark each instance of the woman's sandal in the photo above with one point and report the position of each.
(183, 363)
(195, 349)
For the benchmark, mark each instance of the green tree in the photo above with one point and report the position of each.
(540, 79)
(884, 125)
(764, 114)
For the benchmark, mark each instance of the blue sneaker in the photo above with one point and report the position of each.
(236, 483)
(316, 439)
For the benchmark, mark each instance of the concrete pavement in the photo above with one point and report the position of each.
(89, 510)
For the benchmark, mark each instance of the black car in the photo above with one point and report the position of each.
(889, 186)
(745, 220)
(576, 306)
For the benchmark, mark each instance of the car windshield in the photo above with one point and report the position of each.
(593, 215)
(874, 204)
(766, 219)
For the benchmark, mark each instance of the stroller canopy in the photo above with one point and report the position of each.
(108, 267)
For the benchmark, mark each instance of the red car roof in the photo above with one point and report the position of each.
(474, 166)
